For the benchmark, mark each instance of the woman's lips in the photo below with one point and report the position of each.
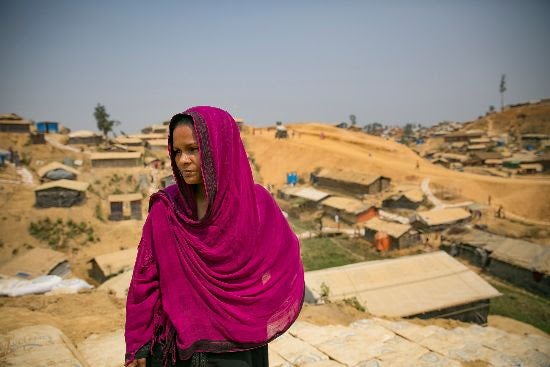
(188, 173)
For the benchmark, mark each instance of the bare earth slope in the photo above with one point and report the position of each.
(305, 151)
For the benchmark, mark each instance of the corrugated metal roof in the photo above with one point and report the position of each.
(55, 165)
(348, 205)
(115, 155)
(116, 262)
(124, 197)
(405, 286)
(35, 262)
(443, 216)
(66, 184)
(395, 230)
(348, 176)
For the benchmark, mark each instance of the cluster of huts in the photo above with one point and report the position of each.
(391, 219)
(474, 148)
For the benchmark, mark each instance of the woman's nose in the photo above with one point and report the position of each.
(184, 158)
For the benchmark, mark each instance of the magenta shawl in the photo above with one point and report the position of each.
(231, 281)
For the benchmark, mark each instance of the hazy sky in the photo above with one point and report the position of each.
(387, 61)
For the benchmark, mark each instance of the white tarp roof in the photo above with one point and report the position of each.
(405, 286)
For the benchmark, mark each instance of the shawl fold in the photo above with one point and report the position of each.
(230, 281)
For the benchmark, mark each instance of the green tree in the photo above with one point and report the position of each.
(408, 130)
(103, 123)
(502, 89)
(353, 120)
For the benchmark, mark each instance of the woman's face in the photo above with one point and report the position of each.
(186, 154)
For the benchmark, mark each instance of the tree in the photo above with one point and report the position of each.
(502, 89)
(408, 130)
(491, 109)
(353, 120)
(103, 123)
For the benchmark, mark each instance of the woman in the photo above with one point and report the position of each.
(218, 272)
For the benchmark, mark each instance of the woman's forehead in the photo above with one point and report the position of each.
(184, 134)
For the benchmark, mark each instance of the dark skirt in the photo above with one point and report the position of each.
(249, 358)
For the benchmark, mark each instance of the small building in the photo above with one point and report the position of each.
(85, 137)
(60, 193)
(154, 162)
(483, 140)
(432, 285)
(463, 136)
(36, 262)
(440, 219)
(407, 199)
(108, 265)
(530, 168)
(349, 182)
(480, 158)
(125, 206)
(390, 235)
(350, 211)
(156, 129)
(159, 145)
(129, 142)
(146, 137)
(12, 123)
(115, 159)
(476, 147)
(519, 262)
(533, 141)
(454, 158)
(309, 197)
(56, 171)
(47, 127)
(38, 138)
(493, 162)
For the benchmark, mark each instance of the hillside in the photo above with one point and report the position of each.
(304, 151)
(518, 119)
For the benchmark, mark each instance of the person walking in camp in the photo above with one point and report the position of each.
(218, 272)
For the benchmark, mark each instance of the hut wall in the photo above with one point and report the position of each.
(401, 203)
(346, 188)
(407, 240)
(523, 278)
(92, 140)
(38, 138)
(475, 312)
(369, 235)
(15, 128)
(136, 209)
(99, 163)
(59, 197)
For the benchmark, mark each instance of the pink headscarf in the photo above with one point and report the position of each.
(230, 281)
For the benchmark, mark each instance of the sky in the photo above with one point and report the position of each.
(392, 62)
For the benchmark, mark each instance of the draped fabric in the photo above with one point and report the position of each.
(230, 281)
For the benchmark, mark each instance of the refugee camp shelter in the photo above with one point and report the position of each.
(85, 137)
(115, 159)
(424, 286)
(440, 219)
(520, 262)
(406, 199)
(36, 262)
(386, 235)
(108, 265)
(350, 211)
(47, 127)
(533, 141)
(309, 197)
(480, 158)
(125, 206)
(155, 129)
(56, 171)
(157, 145)
(12, 123)
(146, 137)
(131, 144)
(349, 182)
(530, 168)
(60, 193)
(463, 136)
(37, 138)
